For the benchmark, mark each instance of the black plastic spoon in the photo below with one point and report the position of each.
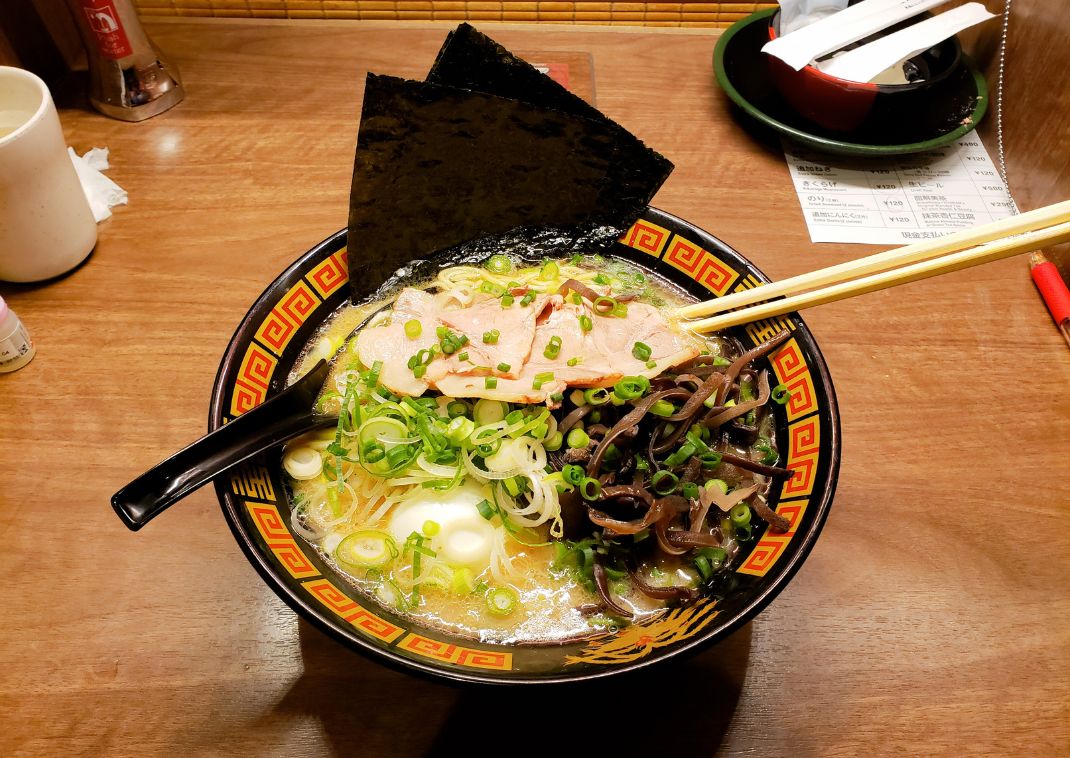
(285, 416)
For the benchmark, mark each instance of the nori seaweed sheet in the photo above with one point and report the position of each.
(524, 166)
(439, 166)
(471, 60)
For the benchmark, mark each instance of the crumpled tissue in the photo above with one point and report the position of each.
(102, 193)
(795, 14)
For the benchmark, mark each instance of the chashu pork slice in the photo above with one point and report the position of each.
(516, 330)
(562, 320)
(616, 337)
(390, 345)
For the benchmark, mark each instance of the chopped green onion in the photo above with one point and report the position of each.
(398, 455)
(549, 271)
(373, 453)
(499, 264)
(441, 332)
(740, 515)
(456, 408)
(459, 429)
(419, 371)
(573, 361)
(664, 482)
(769, 455)
(527, 299)
(742, 532)
(715, 555)
(491, 288)
(491, 337)
(424, 357)
(576, 298)
(578, 438)
(490, 383)
(373, 375)
(710, 459)
(720, 484)
(513, 486)
(573, 474)
(662, 408)
(596, 396)
(601, 279)
(585, 323)
(488, 411)
(553, 442)
(641, 351)
(541, 379)
(690, 490)
(631, 387)
(612, 452)
(557, 397)
(514, 417)
(463, 582)
(413, 328)
(781, 394)
(503, 367)
(462, 356)
(681, 456)
(430, 528)
(576, 396)
(603, 306)
(590, 488)
(507, 300)
(704, 568)
(501, 601)
(641, 463)
(486, 510)
(620, 310)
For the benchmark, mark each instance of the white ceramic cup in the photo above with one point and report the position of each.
(46, 226)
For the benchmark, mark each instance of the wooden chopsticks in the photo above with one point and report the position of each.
(1024, 233)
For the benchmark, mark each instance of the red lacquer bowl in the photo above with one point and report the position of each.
(845, 106)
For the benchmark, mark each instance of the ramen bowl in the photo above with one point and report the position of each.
(268, 344)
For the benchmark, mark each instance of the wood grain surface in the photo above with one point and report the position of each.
(933, 616)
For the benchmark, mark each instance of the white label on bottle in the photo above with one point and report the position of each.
(15, 345)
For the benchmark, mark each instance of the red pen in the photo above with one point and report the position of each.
(1054, 291)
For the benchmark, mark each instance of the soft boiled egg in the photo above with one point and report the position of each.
(464, 537)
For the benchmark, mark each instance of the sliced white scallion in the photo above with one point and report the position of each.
(488, 411)
(367, 548)
(302, 462)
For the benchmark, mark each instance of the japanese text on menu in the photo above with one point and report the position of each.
(897, 200)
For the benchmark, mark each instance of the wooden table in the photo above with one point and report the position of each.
(933, 616)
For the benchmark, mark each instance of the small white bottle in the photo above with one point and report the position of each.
(16, 347)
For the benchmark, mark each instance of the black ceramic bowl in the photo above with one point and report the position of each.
(269, 341)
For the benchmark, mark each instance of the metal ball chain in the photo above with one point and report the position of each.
(999, 101)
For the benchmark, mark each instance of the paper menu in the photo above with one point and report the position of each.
(897, 200)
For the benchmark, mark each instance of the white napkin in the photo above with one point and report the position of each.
(101, 192)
